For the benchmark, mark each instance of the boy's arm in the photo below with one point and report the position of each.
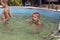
(10, 14)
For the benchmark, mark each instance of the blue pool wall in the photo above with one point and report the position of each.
(47, 13)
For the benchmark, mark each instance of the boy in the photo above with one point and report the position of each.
(6, 14)
(35, 20)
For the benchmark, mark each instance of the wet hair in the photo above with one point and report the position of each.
(38, 15)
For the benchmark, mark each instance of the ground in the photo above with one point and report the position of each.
(46, 6)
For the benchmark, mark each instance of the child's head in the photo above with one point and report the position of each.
(4, 3)
(35, 16)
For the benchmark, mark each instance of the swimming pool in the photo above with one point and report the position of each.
(21, 30)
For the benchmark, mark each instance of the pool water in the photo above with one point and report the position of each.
(19, 29)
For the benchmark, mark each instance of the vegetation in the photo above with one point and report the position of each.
(15, 2)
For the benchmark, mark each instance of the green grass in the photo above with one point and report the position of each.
(21, 30)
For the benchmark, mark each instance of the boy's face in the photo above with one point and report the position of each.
(35, 17)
